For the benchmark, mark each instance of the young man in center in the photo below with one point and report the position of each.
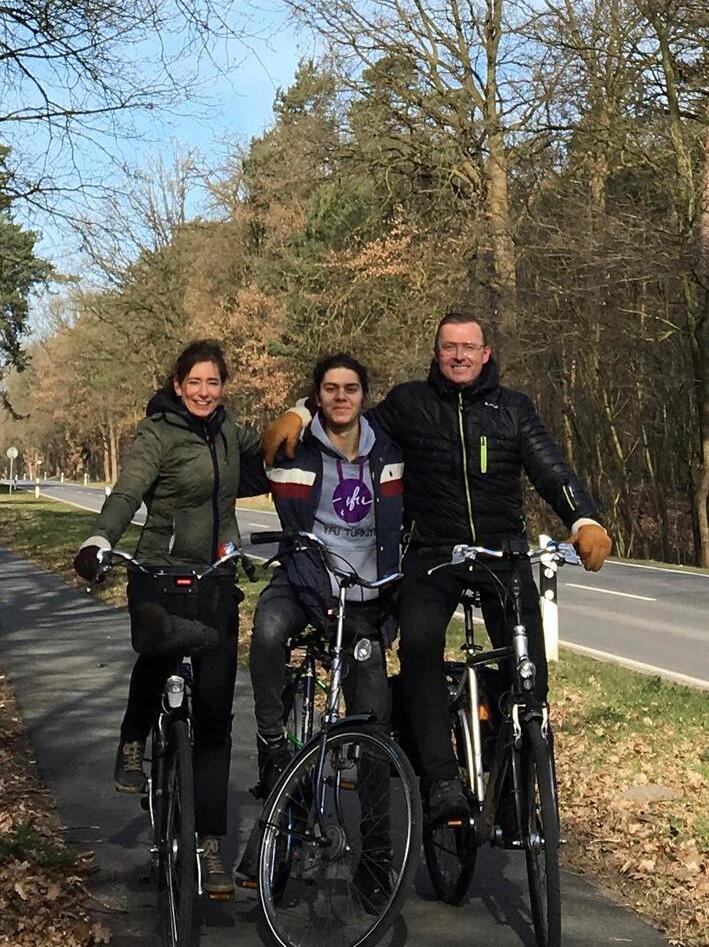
(344, 484)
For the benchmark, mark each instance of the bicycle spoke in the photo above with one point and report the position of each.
(336, 879)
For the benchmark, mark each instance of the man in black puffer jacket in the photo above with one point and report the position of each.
(466, 440)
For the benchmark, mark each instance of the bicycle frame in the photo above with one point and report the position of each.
(302, 542)
(467, 697)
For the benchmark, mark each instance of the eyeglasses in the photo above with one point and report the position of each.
(468, 348)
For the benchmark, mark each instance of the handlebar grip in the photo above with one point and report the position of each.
(435, 552)
(272, 536)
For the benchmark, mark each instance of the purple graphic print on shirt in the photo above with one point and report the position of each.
(352, 497)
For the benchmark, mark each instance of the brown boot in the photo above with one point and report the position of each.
(215, 881)
(128, 772)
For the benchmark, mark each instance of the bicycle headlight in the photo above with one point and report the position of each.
(175, 691)
(363, 650)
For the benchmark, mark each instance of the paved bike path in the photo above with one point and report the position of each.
(68, 658)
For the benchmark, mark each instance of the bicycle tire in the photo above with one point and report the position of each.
(327, 892)
(541, 836)
(450, 851)
(177, 849)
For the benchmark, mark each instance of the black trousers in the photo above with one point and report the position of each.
(426, 606)
(214, 676)
(279, 615)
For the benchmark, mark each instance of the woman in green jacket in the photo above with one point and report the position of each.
(185, 464)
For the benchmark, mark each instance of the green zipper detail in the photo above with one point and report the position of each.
(483, 454)
(569, 497)
(465, 465)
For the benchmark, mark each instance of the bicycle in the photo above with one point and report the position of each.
(341, 829)
(503, 743)
(169, 797)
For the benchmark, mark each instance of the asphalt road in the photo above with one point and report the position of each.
(68, 658)
(651, 617)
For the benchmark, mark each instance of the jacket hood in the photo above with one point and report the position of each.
(366, 437)
(167, 403)
(488, 380)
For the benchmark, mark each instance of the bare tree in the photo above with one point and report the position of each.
(471, 87)
(75, 73)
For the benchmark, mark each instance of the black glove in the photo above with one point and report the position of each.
(86, 563)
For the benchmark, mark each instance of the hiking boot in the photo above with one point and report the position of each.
(216, 884)
(372, 881)
(447, 801)
(128, 772)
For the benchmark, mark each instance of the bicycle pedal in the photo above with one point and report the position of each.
(246, 884)
(220, 895)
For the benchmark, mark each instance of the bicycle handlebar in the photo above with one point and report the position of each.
(106, 557)
(562, 553)
(301, 539)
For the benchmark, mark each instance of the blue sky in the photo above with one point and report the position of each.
(235, 104)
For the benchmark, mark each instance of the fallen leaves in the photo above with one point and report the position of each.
(634, 812)
(42, 896)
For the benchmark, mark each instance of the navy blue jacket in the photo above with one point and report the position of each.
(296, 486)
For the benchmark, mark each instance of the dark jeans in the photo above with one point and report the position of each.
(426, 606)
(214, 676)
(279, 615)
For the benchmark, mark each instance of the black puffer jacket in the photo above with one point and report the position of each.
(464, 452)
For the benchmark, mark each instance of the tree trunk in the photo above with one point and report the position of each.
(701, 497)
(106, 457)
(496, 170)
(113, 449)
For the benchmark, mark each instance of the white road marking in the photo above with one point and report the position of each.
(79, 506)
(594, 588)
(674, 676)
(639, 565)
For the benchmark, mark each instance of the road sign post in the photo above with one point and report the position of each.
(12, 453)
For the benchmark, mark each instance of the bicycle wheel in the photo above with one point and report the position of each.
(541, 836)
(177, 842)
(450, 850)
(342, 886)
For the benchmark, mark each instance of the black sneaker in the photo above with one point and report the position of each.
(128, 772)
(247, 869)
(447, 801)
(273, 758)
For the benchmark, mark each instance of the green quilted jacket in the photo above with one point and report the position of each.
(187, 471)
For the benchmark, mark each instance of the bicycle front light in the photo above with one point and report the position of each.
(363, 650)
(175, 690)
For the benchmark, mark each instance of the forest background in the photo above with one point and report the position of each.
(543, 163)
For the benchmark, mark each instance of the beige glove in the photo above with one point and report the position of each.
(284, 430)
(593, 544)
